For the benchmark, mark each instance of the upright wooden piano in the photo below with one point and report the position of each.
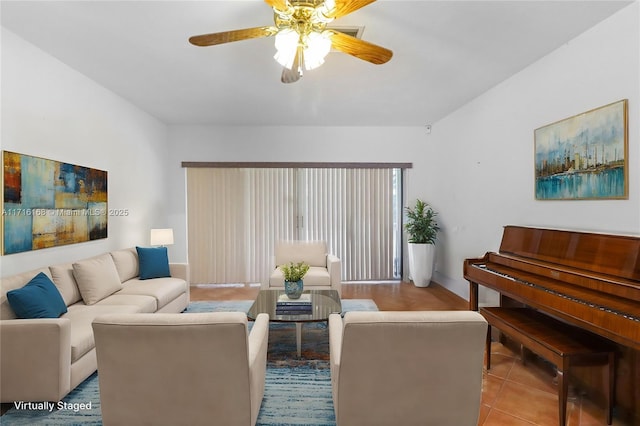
(589, 280)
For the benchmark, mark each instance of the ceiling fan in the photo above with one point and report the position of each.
(302, 38)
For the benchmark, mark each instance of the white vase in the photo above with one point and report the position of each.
(421, 262)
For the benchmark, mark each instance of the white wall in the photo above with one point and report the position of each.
(52, 111)
(477, 166)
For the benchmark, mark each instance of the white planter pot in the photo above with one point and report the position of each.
(421, 262)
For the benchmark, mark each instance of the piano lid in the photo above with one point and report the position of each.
(616, 255)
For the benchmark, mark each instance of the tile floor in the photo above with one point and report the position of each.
(515, 394)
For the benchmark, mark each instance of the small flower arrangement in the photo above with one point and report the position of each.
(294, 272)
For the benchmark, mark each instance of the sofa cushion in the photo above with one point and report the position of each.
(81, 317)
(11, 283)
(63, 278)
(147, 304)
(126, 262)
(97, 278)
(39, 298)
(314, 253)
(153, 262)
(163, 289)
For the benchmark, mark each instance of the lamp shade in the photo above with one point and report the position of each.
(313, 46)
(286, 47)
(318, 46)
(161, 237)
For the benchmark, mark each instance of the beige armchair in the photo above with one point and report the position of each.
(407, 368)
(324, 269)
(189, 369)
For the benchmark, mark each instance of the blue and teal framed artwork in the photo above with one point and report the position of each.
(584, 157)
(49, 203)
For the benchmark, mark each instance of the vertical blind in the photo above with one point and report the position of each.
(236, 215)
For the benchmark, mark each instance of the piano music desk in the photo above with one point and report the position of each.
(555, 341)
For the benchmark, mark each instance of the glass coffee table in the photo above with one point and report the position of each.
(323, 303)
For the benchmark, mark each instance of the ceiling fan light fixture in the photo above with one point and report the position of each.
(287, 41)
(317, 47)
(330, 4)
(323, 12)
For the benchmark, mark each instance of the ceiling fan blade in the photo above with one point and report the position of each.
(295, 73)
(229, 36)
(345, 7)
(360, 49)
(278, 4)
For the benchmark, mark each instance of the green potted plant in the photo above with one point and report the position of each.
(293, 274)
(422, 227)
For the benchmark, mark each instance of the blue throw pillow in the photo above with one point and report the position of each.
(153, 262)
(39, 298)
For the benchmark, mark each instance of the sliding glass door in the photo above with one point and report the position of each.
(236, 215)
(354, 210)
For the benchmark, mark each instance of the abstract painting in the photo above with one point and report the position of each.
(49, 203)
(584, 156)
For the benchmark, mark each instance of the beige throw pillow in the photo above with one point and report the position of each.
(314, 253)
(62, 276)
(126, 262)
(97, 278)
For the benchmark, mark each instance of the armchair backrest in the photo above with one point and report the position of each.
(411, 368)
(173, 368)
(313, 253)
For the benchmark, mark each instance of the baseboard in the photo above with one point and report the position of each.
(455, 287)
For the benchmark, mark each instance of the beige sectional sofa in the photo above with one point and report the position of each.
(44, 359)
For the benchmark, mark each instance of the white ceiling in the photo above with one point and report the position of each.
(445, 54)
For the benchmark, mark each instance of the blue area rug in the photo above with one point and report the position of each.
(297, 390)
